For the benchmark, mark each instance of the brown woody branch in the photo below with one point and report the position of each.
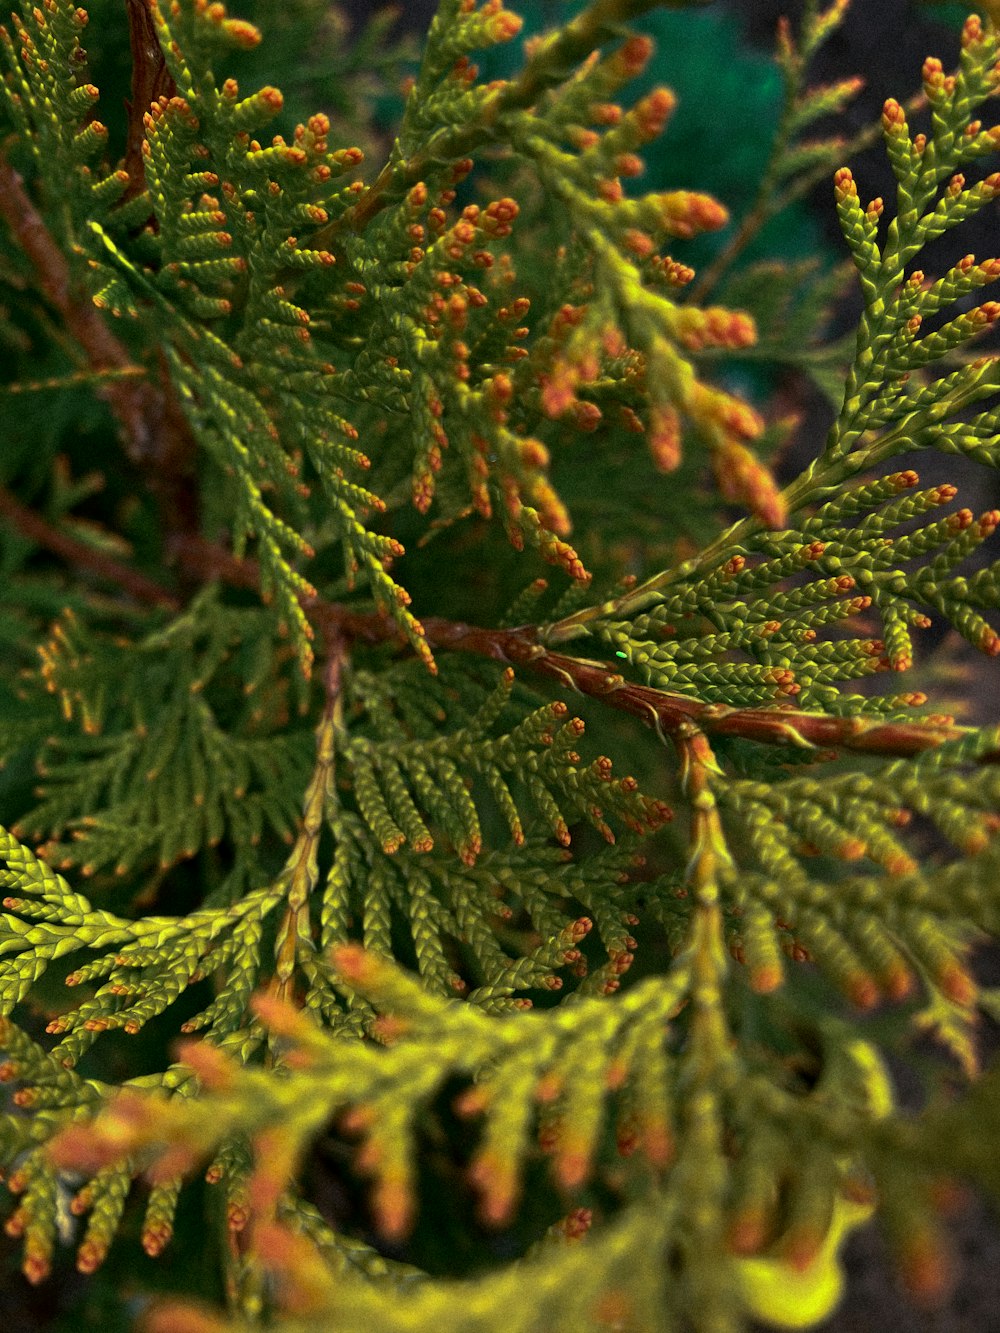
(155, 434)
(130, 400)
(78, 553)
(670, 714)
(151, 80)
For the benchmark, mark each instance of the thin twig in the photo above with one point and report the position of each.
(133, 401)
(79, 554)
(773, 199)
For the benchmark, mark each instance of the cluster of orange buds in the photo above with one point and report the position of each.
(385, 1157)
(172, 111)
(663, 435)
(237, 32)
(972, 30)
(38, 1242)
(455, 245)
(312, 137)
(717, 411)
(625, 132)
(495, 1177)
(300, 1278)
(652, 112)
(130, 1123)
(631, 58)
(669, 272)
(687, 213)
(725, 421)
(844, 185)
(488, 25)
(893, 119)
(276, 1154)
(523, 521)
(713, 326)
(432, 440)
(743, 479)
(552, 513)
(938, 86)
(478, 471)
(497, 217)
(62, 657)
(252, 111)
(569, 353)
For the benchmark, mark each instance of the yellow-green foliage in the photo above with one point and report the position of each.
(286, 686)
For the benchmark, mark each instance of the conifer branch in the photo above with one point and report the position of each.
(294, 932)
(549, 65)
(380, 869)
(671, 714)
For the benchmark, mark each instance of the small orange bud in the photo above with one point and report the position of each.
(843, 185)
(633, 57)
(652, 112)
(893, 118)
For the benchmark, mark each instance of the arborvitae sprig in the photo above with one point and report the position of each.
(51, 103)
(887, 409)
(880, 917)
(687, 639)
(158, 715)
(395, 911)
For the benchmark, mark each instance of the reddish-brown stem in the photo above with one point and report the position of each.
(78, 553)
(156, 435)
(151, 80)
(129, 399)
(671, 714)
(205, 560)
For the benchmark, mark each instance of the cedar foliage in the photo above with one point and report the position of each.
(481, 1031)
